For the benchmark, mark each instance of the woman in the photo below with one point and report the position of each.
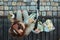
(27, 24)
(23, 24)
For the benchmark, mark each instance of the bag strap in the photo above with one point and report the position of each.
(37, 17)
(15, 15)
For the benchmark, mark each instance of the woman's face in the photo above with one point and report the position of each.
(19, 28)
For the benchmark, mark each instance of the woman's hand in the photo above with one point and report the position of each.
(20, 31)
(31, 20)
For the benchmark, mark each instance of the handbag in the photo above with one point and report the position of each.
(48, 26)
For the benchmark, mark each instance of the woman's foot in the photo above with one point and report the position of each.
(37, 30)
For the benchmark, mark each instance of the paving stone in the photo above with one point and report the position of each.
(5, 0)
(33, 7)
(55, 9)
(54, 4)
(23, 7)
(48, 3)
(6, 8)
(15, 0)
(42, 8)
(1, 0)
(51, 0)
(49, 13)
(33, 3)
(1, 3)
(47, 8)
(43, 3)
(56, 0)
(27, 0)
(43, 13)
(59, 13)
(18, 3)
(13, 3)
(1, 7)
(59, 8)
(9, 3)
(55, 13)
(10, 0)
(1, 13)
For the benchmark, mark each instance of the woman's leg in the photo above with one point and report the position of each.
(29, 29)
(26, 16)
(19, 16)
